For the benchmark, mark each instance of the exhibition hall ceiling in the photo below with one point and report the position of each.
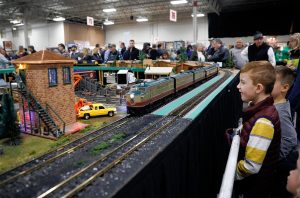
(127, 11)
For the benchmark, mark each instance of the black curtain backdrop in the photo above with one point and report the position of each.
(193, 164)
(272, 19)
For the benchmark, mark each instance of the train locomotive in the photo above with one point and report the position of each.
(147, 95)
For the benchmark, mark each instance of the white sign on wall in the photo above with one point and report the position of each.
(90, 21)
(173, 15)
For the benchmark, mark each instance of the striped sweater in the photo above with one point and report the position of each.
(260, 140)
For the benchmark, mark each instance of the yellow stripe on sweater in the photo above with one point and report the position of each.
(242, 171)
(255, 155)
(264, 128)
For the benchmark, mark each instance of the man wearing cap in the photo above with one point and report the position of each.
(259, 50)
(113, 54)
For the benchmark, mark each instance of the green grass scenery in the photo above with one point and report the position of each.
(33, 146)
(106, 144)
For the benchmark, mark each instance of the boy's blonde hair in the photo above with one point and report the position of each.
(95, 50)
(287, 76)
(296, 37)
(261, 72)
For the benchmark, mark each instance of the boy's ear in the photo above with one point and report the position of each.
(259, 88)
(285, 87)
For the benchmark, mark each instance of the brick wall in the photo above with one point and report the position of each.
(61, 97)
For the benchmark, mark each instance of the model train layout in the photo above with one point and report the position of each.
(142, 97)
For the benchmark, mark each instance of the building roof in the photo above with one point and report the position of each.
(122, 72)
(158, 70)
(43, 57)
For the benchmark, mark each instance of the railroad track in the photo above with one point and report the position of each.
(199, 97)
(78, 181)
(45, 159)
(74, 184)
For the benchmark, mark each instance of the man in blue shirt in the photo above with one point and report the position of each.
(294, 99)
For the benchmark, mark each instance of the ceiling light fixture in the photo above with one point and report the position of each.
(178, 2)
(107, 22)
(14, 28)
(19, 24)
(15, 21)
(199, 15)
(141, 19)
(109, 10)
(58, 18)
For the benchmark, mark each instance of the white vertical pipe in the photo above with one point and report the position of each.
(26, 38)
(195, 24)
(229, 174)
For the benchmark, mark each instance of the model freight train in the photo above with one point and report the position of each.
(142, 97)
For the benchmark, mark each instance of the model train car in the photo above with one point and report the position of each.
(144, 96)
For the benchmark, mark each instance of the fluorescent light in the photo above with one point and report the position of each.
(15, 21)
(19, 24)
(58, 19)
(178, 2)
(109, 10)
(199, 15)
(108, 22)
(141, 19)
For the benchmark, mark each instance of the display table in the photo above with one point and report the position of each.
(7, 70)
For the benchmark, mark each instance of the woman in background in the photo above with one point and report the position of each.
(198, 53)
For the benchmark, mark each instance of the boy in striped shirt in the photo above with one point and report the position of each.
(260, 136)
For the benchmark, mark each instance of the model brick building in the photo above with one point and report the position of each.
(48, 77)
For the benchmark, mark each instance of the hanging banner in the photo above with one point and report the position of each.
(173, 15)
(90, 21)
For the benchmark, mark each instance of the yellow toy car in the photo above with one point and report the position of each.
(96, 109)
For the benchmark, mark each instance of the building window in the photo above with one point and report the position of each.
(66, 75)
(52, 77)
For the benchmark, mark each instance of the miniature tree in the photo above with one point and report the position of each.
(9, 120)
(142, 56)
(229, 62)
(183, 55)
(114, 64)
